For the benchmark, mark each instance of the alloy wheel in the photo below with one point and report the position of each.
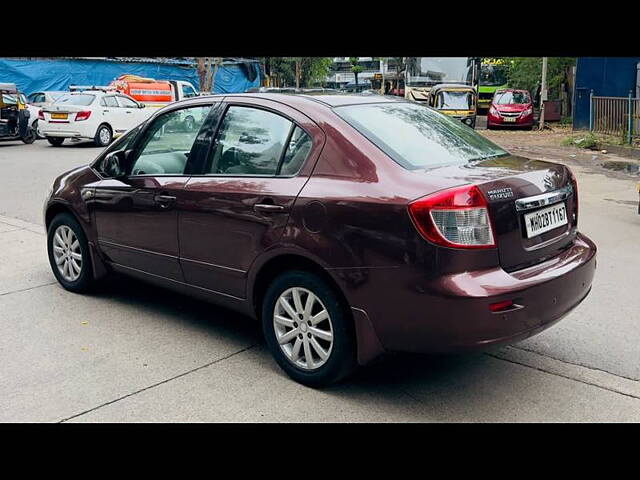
(303, 328)
(67, 253)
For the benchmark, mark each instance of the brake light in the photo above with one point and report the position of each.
(574, 184)
(457, 217)
(40, 115)
(83, 115)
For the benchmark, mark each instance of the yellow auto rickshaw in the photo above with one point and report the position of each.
(459, 101)
(14, 115)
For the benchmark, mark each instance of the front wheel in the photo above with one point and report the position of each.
(55, 141)
(103, 136)
(69, 253)
(308, 329)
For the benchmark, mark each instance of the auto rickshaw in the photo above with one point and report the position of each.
(455, 100)
(14, 115)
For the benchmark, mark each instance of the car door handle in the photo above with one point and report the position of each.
(165, 201)
(268, 207)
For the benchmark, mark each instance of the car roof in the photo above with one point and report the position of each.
(329, 100)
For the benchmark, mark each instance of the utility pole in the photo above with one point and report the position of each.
(543, 91)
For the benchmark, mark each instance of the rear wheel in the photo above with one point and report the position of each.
(103, 136)
(308, 329)
(55, 141)
(30, 136)
(69, 253)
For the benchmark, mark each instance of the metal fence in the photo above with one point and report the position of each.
(615, 116)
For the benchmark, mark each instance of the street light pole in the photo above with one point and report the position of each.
(543, 91)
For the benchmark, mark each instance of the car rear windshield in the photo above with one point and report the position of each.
(416, 136)
(82, 99)
(508, 98)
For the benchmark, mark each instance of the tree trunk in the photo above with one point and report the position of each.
(298, 73)
(215, 70)
(202, 72)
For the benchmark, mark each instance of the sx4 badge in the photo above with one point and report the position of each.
(500, 194)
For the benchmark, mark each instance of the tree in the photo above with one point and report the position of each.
(206, 76)
(355, 68)
(299, 71)
(526, 72)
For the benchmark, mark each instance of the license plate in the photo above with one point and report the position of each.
(508, 119)
(545, 219)
(59, 116)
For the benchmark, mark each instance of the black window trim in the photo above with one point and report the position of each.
(210, 103)
(234, 103)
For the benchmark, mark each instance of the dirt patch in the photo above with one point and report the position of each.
(546, 145)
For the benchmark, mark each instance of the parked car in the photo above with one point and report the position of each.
(99, 115)
(512, 108)
(348, 225)
(44, 98)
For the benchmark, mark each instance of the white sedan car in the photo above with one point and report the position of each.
(92, 114)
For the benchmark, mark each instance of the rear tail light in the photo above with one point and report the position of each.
(574, 184)
(83, 115)
(456, 218)
(40, 115)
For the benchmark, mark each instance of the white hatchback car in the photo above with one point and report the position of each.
(99, 115)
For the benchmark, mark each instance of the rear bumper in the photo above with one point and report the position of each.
(66, 131)
(451, 312)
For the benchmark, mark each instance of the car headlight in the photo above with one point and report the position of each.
(493, 111)
(528, 111)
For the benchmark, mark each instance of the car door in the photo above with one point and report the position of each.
(135, 214)
(112, 114)
(239, 203)
(133, 114)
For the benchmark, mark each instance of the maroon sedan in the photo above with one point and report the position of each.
(348, 225)
(511, 108)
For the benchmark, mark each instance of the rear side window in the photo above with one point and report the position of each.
(250, 141)
(81, 99)
(418, 137)
(297, 152)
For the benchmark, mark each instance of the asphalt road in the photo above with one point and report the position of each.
(130, 352)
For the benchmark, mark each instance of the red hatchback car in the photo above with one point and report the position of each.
(348, 225)
(511, 108)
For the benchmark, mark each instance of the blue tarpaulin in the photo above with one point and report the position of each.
(31, 75)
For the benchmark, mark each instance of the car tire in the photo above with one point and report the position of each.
(278, 324)
(30, 136)
(55, 141)
(35, 128)
(104, 136)
(62, 234)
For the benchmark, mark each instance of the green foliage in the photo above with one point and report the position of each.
(588, 140)
(282, 70)
(526, 73)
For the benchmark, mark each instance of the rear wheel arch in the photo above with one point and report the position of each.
(284, 263)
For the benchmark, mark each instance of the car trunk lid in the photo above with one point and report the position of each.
(519, 190)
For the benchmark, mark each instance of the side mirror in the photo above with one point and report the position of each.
(141, 105)
(114, 164)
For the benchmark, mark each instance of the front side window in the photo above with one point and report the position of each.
(127, 102)
(125, 142)
(417, 137)
(83, 99)
(164, 150)
(250, 141)
(110, 101)
(188, 91)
